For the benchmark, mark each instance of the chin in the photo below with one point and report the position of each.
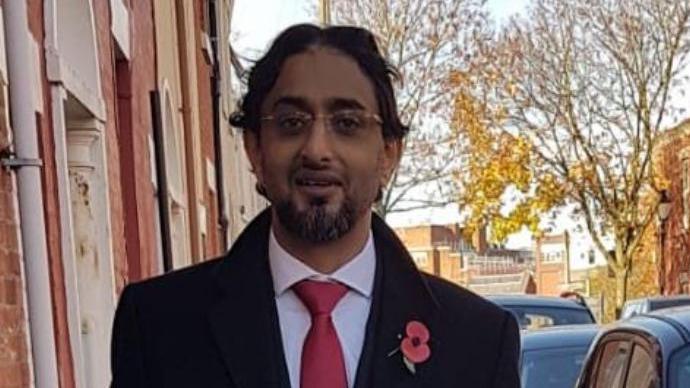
(317, 221)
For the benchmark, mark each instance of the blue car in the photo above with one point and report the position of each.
(647, 351)
(553, 357)
(534, 311)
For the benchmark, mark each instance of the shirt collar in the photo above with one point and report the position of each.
(357, 274)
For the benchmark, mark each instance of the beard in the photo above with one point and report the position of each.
(317, 224)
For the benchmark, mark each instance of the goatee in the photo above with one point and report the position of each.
(316, 224)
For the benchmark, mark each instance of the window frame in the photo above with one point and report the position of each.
(634, 338)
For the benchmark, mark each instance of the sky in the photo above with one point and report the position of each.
(256, 22)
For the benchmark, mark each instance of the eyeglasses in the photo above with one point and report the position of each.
(345, 122)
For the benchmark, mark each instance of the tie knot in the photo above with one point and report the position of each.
(319, 297)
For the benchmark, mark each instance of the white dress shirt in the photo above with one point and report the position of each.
(349, 316)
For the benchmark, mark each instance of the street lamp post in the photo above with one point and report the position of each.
(663, 211)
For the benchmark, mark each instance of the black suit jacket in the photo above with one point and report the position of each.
(216, 325)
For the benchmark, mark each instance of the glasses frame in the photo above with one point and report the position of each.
(327, 117)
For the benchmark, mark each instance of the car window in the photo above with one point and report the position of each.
(612, 364)
(642, 372)
(631, 309)
(552, 367)
(679, 368)
(666, 303)
(533, 317)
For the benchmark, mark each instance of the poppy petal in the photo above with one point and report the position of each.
(417, 329)
(419, 354)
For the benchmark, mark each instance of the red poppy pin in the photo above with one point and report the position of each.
(414, 346)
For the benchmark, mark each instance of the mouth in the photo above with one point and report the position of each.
(317, 184)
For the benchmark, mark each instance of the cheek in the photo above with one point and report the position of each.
(368, 168)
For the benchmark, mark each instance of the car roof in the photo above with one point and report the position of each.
(670, 327)
(678, 314)
(534, 300)
(558, 337)
(657, 298)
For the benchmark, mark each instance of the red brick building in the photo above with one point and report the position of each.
(672, 161)
(436, 249)
(116, 155)
(552, 264)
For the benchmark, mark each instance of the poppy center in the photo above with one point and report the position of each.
(415, 341)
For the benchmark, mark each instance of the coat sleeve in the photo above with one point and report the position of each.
(507, 368)
(126, 358)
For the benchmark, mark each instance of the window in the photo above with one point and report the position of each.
(642, 372)
(680, 368)
(612, 364)
(592, 257)
(420, 258)
(556, 367)
(552, 257)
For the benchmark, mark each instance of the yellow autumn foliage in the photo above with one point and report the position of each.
(496, 162)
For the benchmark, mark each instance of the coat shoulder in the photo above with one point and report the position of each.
(182, 283)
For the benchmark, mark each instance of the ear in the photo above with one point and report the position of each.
(392, 152)
(252, 148)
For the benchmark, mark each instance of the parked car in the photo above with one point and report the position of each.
(553, 356)
(645, 305)
(534, 311)
(646, 351)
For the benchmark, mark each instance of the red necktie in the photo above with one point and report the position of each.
(322, 357)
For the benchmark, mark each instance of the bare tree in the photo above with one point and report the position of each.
(587, 83)
(426, 40)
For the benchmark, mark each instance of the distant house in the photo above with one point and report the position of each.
(443, 251)
(563, 262)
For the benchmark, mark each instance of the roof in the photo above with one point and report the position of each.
(660, 297)
(502, 283)
(670, 327)
(562, 336)
(534, 300)
(680, 314)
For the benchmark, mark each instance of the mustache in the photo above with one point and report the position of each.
(326, 176)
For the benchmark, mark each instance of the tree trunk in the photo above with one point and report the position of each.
(622, 277)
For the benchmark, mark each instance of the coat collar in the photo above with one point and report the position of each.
(244, 320)
(401, 294)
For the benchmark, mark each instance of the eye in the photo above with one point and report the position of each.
(292, 122)
(347, 122)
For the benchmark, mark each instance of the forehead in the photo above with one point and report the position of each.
(320, 76)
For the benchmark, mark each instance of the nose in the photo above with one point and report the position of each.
(318, 147)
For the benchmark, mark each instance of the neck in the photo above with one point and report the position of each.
(329, 256)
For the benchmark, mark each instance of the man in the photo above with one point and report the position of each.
(317, 292)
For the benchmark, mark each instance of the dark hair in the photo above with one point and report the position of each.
(355, 42)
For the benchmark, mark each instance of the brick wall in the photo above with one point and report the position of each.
(437, 244)
(669, 160)
(14, 362)
(136, 78)
(211, 246)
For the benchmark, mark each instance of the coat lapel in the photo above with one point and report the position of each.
(244, 321)
(400, 295)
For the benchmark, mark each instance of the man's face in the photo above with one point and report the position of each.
(320, 176)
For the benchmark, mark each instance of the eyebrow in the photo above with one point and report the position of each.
(333, 104)
(344, 103)
(297, 102)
